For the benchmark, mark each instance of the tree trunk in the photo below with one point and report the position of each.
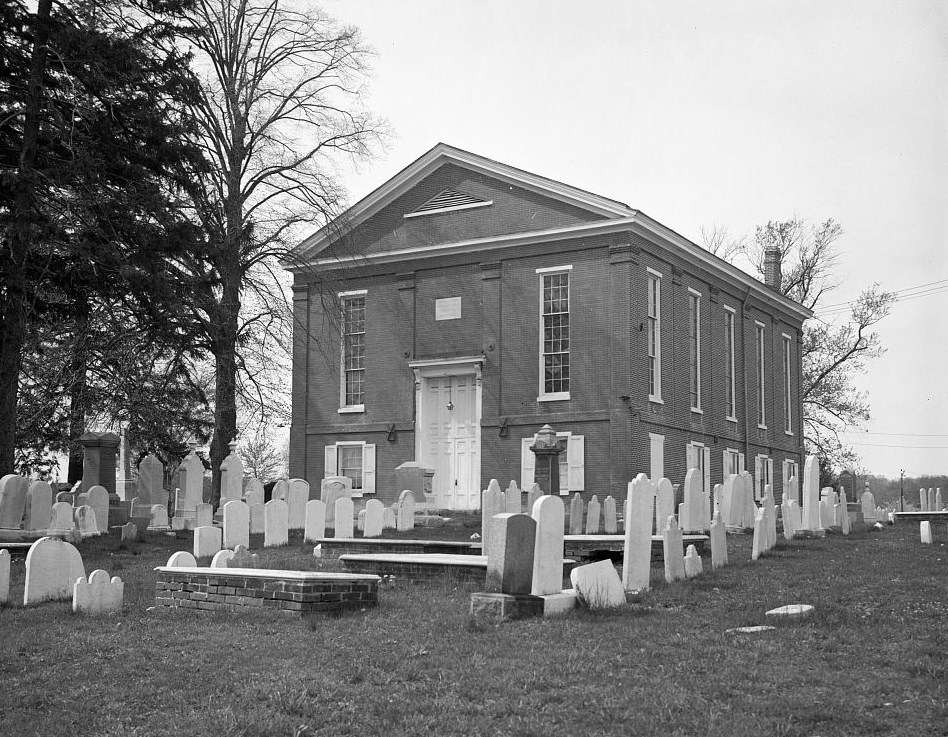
(15, 309)
(224, 347)
(78, 400)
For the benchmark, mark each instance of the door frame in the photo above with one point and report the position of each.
(436, 368)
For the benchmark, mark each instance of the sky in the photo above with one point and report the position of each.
(700, 114)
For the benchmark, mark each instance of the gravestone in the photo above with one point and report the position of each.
(609, 523)
(718, 542)
(664, 504)
(207, 541)
(406, 511)
(597, 585)
(13, 491)
(931, 501)
(296, 497)
(673, 552)
(182, 559)
(549, 513)
(546, 449)
(98, 499)
(203, 515)
(86, 521)
(811, 495)
(576, 515)
(593, 512)
(925, 531)
(276, 523)
(331, 489)
(52, 567)
(61, 517)
(513, 498)
(787, 514)
(4, 576)
(190, 489)
(151, 482)
(374, 510)
(760, 535)
(692, 517)
(254, 492)
(510, 555)
(236, 520)
(868, 502)
(827, 514)
(315, 528)
(637, 545)
(693, 564)
(939, 504)
(535, 493)
(39, 503)
(493, 502)
(344, 513)
(749, 511)
(791, 490)
(98, 595)
(845, 522)
(280, 489)
(159, 517)
(770, 517)
(389, 518)
(360, 521)
(258, 518)
(717, 499)
(243, 558)
(232, 476)
(65, 496)
(222, 557)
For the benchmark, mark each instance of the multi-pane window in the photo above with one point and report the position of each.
(353, 351)
(350, 463)
(555, 337)
(654, 336)
(732, 462)
(729, 388)
(761, 412)
(787, 420)
(694, 347)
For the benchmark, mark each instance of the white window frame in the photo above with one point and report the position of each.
(730, 320)
(331, 465)
(656, 456)
(655, 362)
(728, 456)
(543, 395)
(787, 384)
(343, 407)
(701, 454)
(760, 343)
(694, 321)
(763, 475)
(574, 455)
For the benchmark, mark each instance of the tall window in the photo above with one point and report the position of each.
(555, 335)
(787, 420)
(353, 350)
(654, 336)
(729, 388)
(732, 462)
(351, 463)
(694, 345)
(761, 412)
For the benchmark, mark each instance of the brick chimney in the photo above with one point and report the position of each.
(772, 275)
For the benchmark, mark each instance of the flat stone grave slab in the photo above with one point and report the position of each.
(505, 607)
(791, 611)
(921, 516)
(302, 593)
(422, 567)
(600, 546)
(333, 547)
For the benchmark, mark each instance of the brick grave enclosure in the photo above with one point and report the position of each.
(251, 589)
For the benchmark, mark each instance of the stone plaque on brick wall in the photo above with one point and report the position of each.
(448, 308)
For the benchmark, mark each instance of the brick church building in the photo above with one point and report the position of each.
(471, 302)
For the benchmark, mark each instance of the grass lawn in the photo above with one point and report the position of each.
(872, 661)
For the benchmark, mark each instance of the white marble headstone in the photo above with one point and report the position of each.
(315, 521)
(276, 524)
(52, 567)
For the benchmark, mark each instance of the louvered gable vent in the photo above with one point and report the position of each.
(447, 200)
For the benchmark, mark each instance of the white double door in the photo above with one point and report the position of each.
(449, 438)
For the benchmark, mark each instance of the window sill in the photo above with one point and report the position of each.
(731, 419)
(761, 427)
(557, 397)
(351, 409)
(788, 432)
(697, 411)
(656, 400)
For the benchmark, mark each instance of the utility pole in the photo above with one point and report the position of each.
(901, 490)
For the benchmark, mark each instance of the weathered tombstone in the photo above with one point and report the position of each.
(4, 576)
(925, 531)
(692, 562)
(296, 497)
(86, 521)
(747, 496)
(65, 496)
(98, 499)
(276, 524)
(535, 493)
(236, 521)
(61, 517)
(731, 515)
(13, 491)
(593, 512)
(315, 521)
(159, 516)
(280, 489)
(190, 489)
(151, 482)
(222, 557)
(691, 515)
(868, 503)
(513, 498)
(493, 502)
(609, 523)
(374, 510)
(510, 555)
(182, 559)
(243, 558)
(827, 514)
(664, 504)
(637, 546)
(389, 518)
(129, 533)
(203, 515)
(549, 513)
(360, 521)
(232, 476)
(254, 492)
(786, 514)
(672, 549)
(597, 585)
(258, 519)
(939, 504)
(99, 595)
(770, 517)
(717, 494)
(52, 567)
(760, 535)
(331, 489)
(344, 514)
(845, 522)
(931, 501)
(546, 469)
(406, 511)
(207, 541)
(576, 515)
(39, 502)
(718, 542)
(811, 494)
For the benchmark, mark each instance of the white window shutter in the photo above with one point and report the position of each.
(725, 470)
(740, 462)
(576, 461)
(770, 472)
(758, 475)
(528, 463)
(368, 469)
(691, 456)
(707, 469)
(330, 466)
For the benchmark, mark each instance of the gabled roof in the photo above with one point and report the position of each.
(440, 155)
